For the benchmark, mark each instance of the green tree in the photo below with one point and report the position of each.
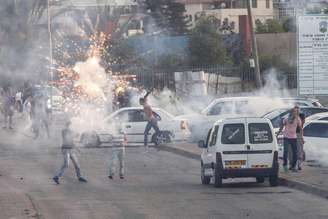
(19, 31)
(289, 25)
(205, 44)
(274, 26)
(260, 27)
(168, 16)
(270, 26)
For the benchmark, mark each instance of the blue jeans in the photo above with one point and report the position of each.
(293, 143)
(151, 124)
(117, 155)
(69, 154)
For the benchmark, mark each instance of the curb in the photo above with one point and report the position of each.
(283, 181)
(304, 187)
(180, 152)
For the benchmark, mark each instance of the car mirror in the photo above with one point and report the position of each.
(201, 144)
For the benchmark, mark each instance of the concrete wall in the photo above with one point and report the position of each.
(283, 45)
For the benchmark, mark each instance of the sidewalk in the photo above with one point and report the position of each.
(312, 180)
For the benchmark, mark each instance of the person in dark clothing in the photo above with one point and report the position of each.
(300, 143)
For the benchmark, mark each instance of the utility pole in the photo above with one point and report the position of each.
(51, 74)
(254, 46)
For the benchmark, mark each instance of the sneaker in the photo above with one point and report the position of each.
(299, 168)
(121, 177)
(56, 179)
(110, 177)
(81, 179)
(285, 169)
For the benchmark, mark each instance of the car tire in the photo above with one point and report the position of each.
(274, 180)
(164, 137)
(260, 179)
(205, 179)
(90, 140)
(217, 177)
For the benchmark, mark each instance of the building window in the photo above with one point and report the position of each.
(254, 3)
(267, 3)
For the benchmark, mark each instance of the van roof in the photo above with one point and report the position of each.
(236, 118)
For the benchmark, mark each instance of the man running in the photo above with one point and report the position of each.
(68, 150)
(152, 121)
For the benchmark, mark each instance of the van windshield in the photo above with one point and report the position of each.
(260, 133)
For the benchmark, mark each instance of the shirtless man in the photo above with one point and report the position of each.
(152, 121)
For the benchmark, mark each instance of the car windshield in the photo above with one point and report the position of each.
(273, 114)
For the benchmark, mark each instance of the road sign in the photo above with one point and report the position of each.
(313, 55)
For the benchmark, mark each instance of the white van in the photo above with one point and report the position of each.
(240, 147)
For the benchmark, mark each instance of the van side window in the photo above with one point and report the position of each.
(208, 137)
(233, 134)
(214, 136)
(260, 133)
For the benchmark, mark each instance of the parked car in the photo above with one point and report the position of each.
(302, 101)
(316, 141)
(276, 117)
(132, 122)
(228, 107)
(240, 147)
(318, 116)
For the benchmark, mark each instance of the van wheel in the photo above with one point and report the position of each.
(274, 180)
(217, 177)
(260, 179)
(205, 179)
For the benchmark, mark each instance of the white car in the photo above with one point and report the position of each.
(302, 101)
(316, 141)
(318, 116)
(240, 147)
(132, 122)
(229, 107)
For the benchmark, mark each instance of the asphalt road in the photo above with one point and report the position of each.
(158, 184)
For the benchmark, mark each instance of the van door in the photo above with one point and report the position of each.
(211, 145)
(261, 143)
(233, 144)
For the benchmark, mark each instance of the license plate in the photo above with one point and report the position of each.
(235, 162)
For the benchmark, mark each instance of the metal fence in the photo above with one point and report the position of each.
(160, 78)
(164, 78)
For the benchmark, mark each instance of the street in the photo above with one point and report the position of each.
(158, 184)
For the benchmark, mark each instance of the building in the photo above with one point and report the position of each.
(288, 8)
(293, 8)
(227, 11)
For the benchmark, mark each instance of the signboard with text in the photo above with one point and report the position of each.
(313, 55)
